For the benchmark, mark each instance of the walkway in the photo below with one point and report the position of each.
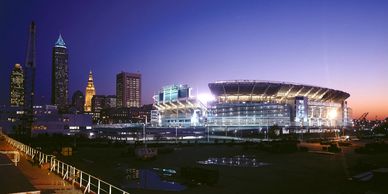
(29, 177)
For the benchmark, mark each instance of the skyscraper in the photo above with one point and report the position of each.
(60, 75)
(16, 93)
(78, 101)
(128, 89)
(89, 93)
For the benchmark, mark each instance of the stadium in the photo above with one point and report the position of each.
(252, 104)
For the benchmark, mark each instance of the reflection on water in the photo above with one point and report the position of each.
(238, 161)
(156, 179)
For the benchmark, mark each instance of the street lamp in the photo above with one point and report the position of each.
(176, 134)
(144, 130)
(207, 133)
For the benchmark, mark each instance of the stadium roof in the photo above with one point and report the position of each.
(277, 90)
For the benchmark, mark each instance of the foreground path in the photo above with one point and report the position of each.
(28, 177)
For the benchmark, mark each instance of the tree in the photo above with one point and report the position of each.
(274, 131)
(381, 129)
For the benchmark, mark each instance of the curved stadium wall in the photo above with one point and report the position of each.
(249, 104)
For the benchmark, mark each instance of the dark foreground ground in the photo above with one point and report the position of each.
(298, 172)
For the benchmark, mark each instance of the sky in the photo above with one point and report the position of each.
(332, 43)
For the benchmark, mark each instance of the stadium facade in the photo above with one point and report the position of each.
(176, 107)
(251, 104)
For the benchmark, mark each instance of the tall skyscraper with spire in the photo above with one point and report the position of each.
(89, 93)
(60, 75)
(16, 91)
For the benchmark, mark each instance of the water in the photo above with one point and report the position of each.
(235, 161)
(155, 179)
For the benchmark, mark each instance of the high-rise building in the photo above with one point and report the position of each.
(60, 74)
(128, 89)
(16, 93)
(78, 101)
(89, 93)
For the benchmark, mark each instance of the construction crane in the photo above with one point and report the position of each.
(363, 116)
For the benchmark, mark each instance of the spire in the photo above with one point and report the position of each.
(89, 93)
(18, 66)
(90, 75)
(60, 42)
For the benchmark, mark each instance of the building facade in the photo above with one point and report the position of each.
(126, 115)
(60, 75)
(46, 120)
(90, 91)
(250, 104)
(176, 107)
(128, 89)
(16, 91)
(100, 102)
(78, 101)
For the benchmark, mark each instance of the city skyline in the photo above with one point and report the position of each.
(341, 45)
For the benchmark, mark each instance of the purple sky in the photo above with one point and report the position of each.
(332, 43)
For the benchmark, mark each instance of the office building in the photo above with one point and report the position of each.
(78, 101)
(60, 75)
(16, 92)
(128, 89)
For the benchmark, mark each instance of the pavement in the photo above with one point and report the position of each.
(11, 178)
(28, 177)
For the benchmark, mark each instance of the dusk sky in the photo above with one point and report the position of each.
(336, 44)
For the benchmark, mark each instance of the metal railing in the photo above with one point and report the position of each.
(85, 181)
(16, 156)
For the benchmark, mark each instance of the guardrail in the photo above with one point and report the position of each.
(16, 156)
(85, 181)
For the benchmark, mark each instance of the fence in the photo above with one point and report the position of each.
(85, 181)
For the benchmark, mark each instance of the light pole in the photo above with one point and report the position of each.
(266, 133)
(144, 131)
(208, 134)
(176, 134)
